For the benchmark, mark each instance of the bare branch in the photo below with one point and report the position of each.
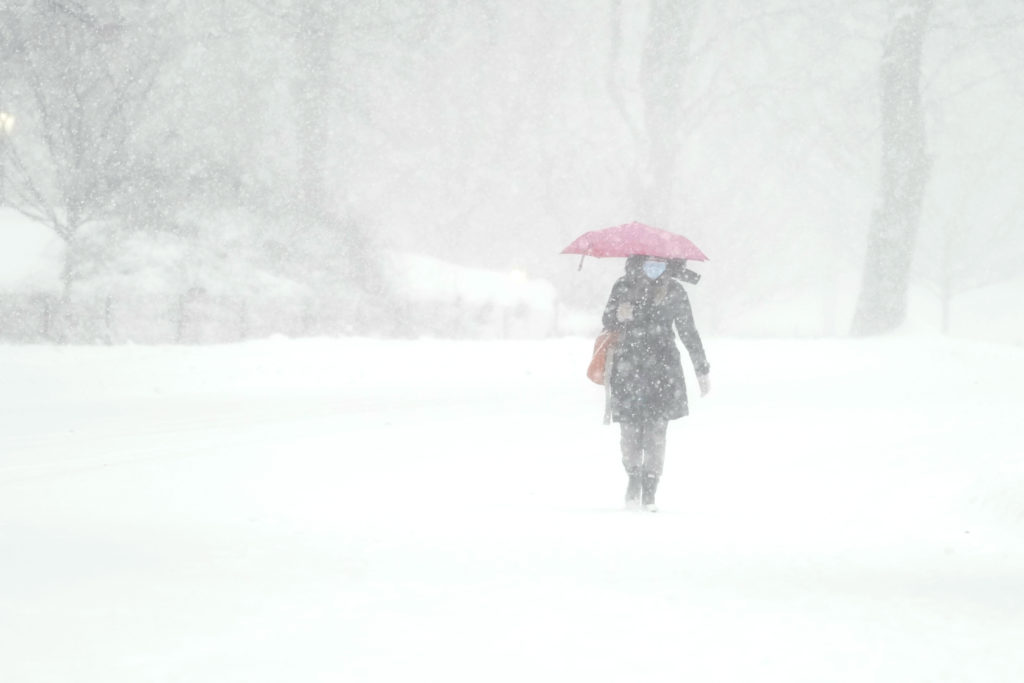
(43, 209)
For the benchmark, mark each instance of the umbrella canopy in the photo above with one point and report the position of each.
(635, 238)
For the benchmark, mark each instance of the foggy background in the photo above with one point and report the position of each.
(362, 495)
(212, 170)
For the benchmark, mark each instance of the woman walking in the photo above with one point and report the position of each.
(648, 307)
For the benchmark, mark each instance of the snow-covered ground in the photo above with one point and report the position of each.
(362, 510)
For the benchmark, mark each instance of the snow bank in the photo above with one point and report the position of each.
(984, 314)
(449, 300)
(31, 255)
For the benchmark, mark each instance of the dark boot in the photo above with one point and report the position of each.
(650, 487)
(633, 490)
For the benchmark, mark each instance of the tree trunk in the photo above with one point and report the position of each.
(670, 34)
(882, 306)
(655, 132)
(3, 162)
(313, 46)
(947, 277)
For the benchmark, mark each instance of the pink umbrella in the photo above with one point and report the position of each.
(634, 238)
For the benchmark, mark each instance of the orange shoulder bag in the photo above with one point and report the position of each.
(599, 365)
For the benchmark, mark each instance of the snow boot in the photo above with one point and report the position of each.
(633, 490)
(650, 487)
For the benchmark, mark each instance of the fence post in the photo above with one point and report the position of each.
(108, 306)
(243, 320)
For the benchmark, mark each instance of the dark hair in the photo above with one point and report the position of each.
(675, 267)
(635, 265)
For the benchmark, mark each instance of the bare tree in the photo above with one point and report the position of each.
(882, 305)
(84, 87)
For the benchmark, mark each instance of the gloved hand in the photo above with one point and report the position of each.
(625, 312)
(705, 384)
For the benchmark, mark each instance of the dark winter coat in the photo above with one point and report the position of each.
(646, 379)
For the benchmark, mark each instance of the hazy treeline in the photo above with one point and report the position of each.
(245, 164)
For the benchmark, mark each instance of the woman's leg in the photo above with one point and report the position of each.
(653, 440)
(632, 458)
(653, 443)
(632, 442)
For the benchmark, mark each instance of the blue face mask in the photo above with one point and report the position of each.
(654, 269)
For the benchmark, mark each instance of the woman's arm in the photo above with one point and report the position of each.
(687, 329)
(615, 311)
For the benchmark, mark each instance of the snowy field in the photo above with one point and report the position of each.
(357, 510)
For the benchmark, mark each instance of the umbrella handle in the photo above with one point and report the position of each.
(580, 267)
